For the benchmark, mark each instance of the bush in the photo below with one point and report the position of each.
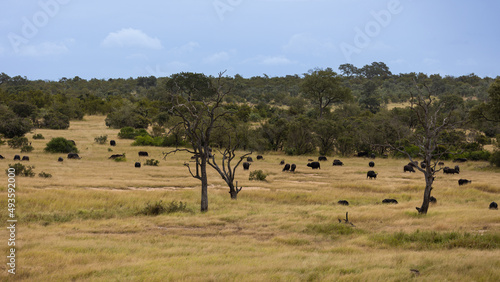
(27, 149)
(120, 159)
(38, 136)
(257, 175)
(22, 170)
(45, 175)
(60, 145)
(14, 126)
(152, 162)
(131, 133)
(55, 120)
(159, 208)
(495, 158)
(101, 139)
(18, 142)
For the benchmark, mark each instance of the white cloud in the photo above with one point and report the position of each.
(303, 43)
(46, 48)
(216, 58)
(130, 37)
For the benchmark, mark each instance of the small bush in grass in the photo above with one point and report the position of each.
(257, 175)
(120, 159)
(18, 142)
(27, 149)
(45, 175)
(60, 145)
(160, 208)
(38, 136)
(110, 150)
(22, 170)
(101, 139)
(152, 162)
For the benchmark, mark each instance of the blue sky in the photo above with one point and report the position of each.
(51, 39)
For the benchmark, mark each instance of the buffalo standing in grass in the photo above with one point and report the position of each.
(338, 163)
(112, 143)
(17, 157)
(371, 174)
(493, 206)
(389, 201)
(371, 164)
(464, 181)
(25, 158)
(408, 168)
(314, 165)
(259, 157)
(448, 170)
(343, 202)
(2, 157)
(246, 166)
(137, 164)
(74, 156)
(143, 154)
(293, 167)
(322, 158)
(287, 167)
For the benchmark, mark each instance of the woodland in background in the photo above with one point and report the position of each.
(268, 113)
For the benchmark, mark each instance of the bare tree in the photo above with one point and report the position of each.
(432, 122)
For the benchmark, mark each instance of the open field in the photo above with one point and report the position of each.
(84, 223)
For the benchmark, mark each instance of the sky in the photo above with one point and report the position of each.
(52, 39)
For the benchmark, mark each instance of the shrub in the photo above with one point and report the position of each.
(101, 139)
(257, 175)
(131, 133)
(27, 149)
(38, 136)
(55, 120)
(60, 145)
(152, 162)
(495, 158)
(159, 208)
(22, 170)
(120, 159)
(13, 126)
(18, 142)
(45, 175)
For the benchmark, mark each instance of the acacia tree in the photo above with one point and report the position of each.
(324, 87)
(197, 102)
(432, 123)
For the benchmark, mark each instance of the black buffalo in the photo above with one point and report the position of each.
(293, 167)
(464, 181)
(137, 164)
(73, 156)
(286, 168)
(493, 206)
(338, 162)
(112, 157)
(25, 158)
(246, 165)
(259, 157)
(322, 158)
(282, 162)
(362, 154)
(448, 170)
(371, 174)
(460, 160)
(249, 159)
(60, 159)
(389, 201)
(143, 154)
(112, 142)
(17, 157)
(457, 168)
(371, 164)
(423, 165)
(441, 164)
(432, 200)
(372, 155)
(343, 202)
(1, 157)
(314, 165)
(408, 168)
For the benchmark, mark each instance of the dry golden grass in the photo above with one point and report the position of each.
(84, 224)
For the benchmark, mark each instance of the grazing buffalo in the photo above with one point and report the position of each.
(371, 164)
(432, 200)
(464, 181)
(73, 156)
(408, 168)
(460, 160)
(372, 155)
(338, 162)
(362, 154)
(371, 174)
(249, 159)
(423, 165)
(60, 159)
(137, 164)
(314, 165)
(389, 201)
(143, 154)
(343, 202)
(457, 168)
(17, 158)
(322, 158)
(1, 157)
(112, 142)
(246, 165)
(25, 158)
(116, 156)
(493, 206)
(448, 170)
(259, 157)
(441, 164)
(286, 168)
(293, 167)
(282, 162)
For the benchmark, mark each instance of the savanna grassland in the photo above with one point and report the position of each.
(85, 223)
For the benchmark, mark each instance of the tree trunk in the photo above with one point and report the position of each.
(233, 191)
(204, 185)
(427, 193)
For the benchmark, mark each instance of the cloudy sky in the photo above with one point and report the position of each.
(51, 39)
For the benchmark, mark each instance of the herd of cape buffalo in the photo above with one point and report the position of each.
(410, 167)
